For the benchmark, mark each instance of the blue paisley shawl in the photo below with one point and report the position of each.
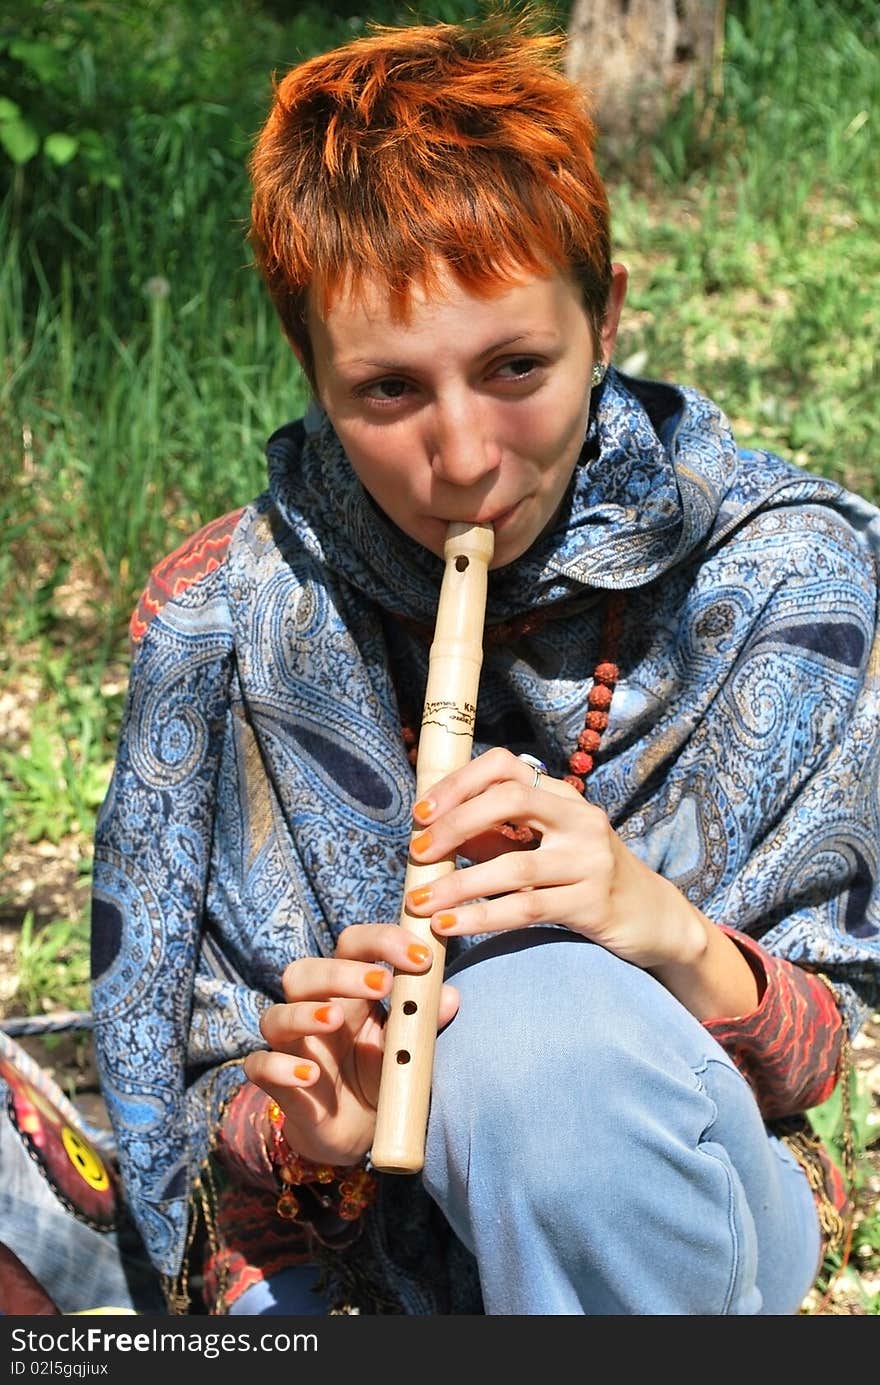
(261, 796)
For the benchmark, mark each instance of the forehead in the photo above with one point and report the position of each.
(358, 313)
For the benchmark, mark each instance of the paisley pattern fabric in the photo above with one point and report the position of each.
(261, 796)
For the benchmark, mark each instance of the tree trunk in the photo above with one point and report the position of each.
(636, 58)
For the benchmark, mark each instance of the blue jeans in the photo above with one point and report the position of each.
(598, 1152)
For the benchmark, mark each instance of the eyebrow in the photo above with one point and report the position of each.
(391, 366)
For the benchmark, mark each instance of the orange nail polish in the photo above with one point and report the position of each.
(419, 896)
(322, 1014)
(421, 842)
(445, 920)
(302, 1072)
(424, 808)
(375, 979)
(417, 952)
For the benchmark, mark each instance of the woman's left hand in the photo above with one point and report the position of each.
(580, 874)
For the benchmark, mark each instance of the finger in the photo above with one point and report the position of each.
(450, 999)
(284, 1026)
(499, 803)
(325, 978)
(384, 942)
(280, 1073)
(310, 1112)
(497, 841)
(520, 910)
(472, 819)
(503, 876)
(495, 766)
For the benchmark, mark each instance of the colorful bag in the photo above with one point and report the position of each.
(67, 1241)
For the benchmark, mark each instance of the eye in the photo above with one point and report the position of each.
(385, 390)
(517, 368)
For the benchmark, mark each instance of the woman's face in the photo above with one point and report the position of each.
(472, 409)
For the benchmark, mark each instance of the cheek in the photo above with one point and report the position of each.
(554, 430)
(556, 443)
(374, 464)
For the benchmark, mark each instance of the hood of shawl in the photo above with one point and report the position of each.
(650, 481)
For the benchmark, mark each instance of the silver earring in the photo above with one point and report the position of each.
(598, 374)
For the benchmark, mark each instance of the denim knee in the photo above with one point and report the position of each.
(579, 1107)
(536, 1060)
(554, 1028)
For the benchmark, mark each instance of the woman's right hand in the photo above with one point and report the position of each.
(326, 1040)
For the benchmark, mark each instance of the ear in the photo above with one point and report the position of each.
(616, 297)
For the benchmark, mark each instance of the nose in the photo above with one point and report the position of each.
(461, 444)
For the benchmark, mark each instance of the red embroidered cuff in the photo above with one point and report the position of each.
(251, 1244)
(788, 1047)
(241, 1145)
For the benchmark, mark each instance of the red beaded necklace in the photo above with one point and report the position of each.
(599, 698)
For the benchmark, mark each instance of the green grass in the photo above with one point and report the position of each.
(863, 1258)
(52, 961)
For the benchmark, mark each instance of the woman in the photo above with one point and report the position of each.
(658, 945)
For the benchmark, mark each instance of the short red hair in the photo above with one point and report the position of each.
(412, 149)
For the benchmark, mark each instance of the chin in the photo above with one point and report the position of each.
(507, 552)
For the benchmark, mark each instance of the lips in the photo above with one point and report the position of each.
(498, 517)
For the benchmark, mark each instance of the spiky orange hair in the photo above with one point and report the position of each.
(419, 148)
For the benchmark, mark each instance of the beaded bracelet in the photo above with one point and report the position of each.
(355, 1190)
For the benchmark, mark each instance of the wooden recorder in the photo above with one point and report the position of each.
(445, 744)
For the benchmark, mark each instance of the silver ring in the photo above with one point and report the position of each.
(537, 765)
